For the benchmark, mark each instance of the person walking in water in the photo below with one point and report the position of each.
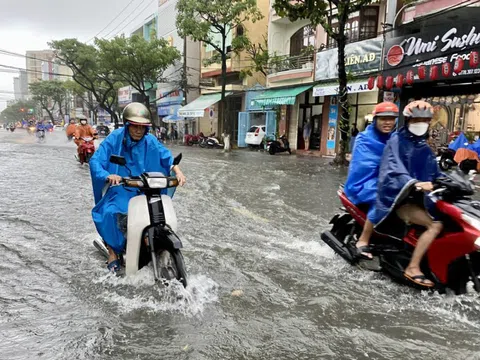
(307, 130)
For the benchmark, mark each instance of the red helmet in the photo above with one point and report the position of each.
(385, 108)
(418, 109)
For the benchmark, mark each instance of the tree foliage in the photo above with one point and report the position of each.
(49, 95)
(261, 59)
(209, 20)
(90, 73)
(14, 113)
(136, 61)
(322, 12)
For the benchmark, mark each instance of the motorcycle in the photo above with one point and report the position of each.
(445, 158)
(41, 135)
(12, 128)
(191, 140)
(211, 142)
(151, 227)
(451, 261)
(86, 150)
(275, 146)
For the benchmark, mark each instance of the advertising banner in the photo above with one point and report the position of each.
(332, 127)
(125, 95)
(362, 57)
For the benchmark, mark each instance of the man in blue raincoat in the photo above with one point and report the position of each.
(361, 184)
(408, 163)
(143, 153)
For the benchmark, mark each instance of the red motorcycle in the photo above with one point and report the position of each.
(87, 148)
(191, 139)
(451, 261)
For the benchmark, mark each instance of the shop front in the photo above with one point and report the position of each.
(284, 108)
(168, 104)
(204, 111)
(437, 59)
(321, 113)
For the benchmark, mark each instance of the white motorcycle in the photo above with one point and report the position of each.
(151, 226)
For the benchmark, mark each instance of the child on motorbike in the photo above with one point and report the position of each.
(361, 184)
(408, 163)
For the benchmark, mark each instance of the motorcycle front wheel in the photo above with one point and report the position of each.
(88, 156)
(171, 266)
(444, 165)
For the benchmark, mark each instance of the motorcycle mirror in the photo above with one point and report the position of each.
(118, 160)
(177, 159)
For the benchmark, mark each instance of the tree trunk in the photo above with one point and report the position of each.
(344, 122)
(113, 115)
(50, 114)
(223, 102)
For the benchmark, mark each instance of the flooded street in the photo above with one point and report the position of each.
(248, 222)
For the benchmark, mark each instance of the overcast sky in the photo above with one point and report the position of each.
(30, 24)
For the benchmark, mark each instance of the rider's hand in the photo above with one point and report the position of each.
(424, 186)
(114, 179)
(180, 177)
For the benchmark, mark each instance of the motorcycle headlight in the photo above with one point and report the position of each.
(477, 243)
(157, 183)
(472, 221)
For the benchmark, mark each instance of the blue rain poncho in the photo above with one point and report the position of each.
(407, 159)
(146, 155)
(460, 142)
(475, 146)
(361, 184)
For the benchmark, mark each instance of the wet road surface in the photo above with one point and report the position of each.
(249, 222)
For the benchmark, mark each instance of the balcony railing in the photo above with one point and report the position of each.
(286, 63)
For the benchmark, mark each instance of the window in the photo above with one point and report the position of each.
(301, 39)
(361, 25)
(240, 30)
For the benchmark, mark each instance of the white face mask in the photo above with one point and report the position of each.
(83, 122)
(419, 128)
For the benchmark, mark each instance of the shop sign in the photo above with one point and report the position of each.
(327, 90)
(169, 97)
(433, 54)
(125, 95)
(362, 57)
(389, 96)
(332, 128)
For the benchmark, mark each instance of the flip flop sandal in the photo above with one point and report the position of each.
(362, 250)
(114, 266)
(419, 280)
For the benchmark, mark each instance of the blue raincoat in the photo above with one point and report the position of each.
(146, 155)
(361, 184)
(460, 142)
(407, 159)
(475, 146)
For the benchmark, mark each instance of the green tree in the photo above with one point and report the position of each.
(138, 62)
(48, 94)
(203, 20)
(17, 111)
(90, 73)
(321, 12)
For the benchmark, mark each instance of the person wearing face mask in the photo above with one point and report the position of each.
(82, 131)
(361, 184)
(408, 168)
(143, 153)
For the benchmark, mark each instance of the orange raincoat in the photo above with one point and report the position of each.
(465, 154)
(71, 129)
(83, 131)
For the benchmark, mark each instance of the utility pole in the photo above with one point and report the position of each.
(185, 75)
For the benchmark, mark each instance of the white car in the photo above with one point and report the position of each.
(255, 135)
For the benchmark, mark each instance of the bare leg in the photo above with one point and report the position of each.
(111, 255)
(364, 239)
(416, 215)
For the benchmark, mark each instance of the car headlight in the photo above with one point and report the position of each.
(157, 183)
(472, 221)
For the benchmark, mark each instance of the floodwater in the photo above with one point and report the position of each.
(249, 221)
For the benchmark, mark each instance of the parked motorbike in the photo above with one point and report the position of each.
(211, 142)
(445, 158)
(151, 227)
(275, 146)
(86, 150)
(191, 140)
(451, 261)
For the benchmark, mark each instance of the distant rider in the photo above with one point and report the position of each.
(143, 153)
(361, 184)
(71, 128)
(408, 163)
(82, 131)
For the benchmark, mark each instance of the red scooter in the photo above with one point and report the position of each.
(191, 139)
(86, 150)
(451, 261)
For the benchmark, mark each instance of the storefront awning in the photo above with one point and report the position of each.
(172, 119)
(285, 96)
(353, 87)
(168, 110)
(197, 107)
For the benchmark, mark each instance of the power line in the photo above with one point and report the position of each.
(121, 22)
(115, 18)
(34, 71)
(141, 12)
